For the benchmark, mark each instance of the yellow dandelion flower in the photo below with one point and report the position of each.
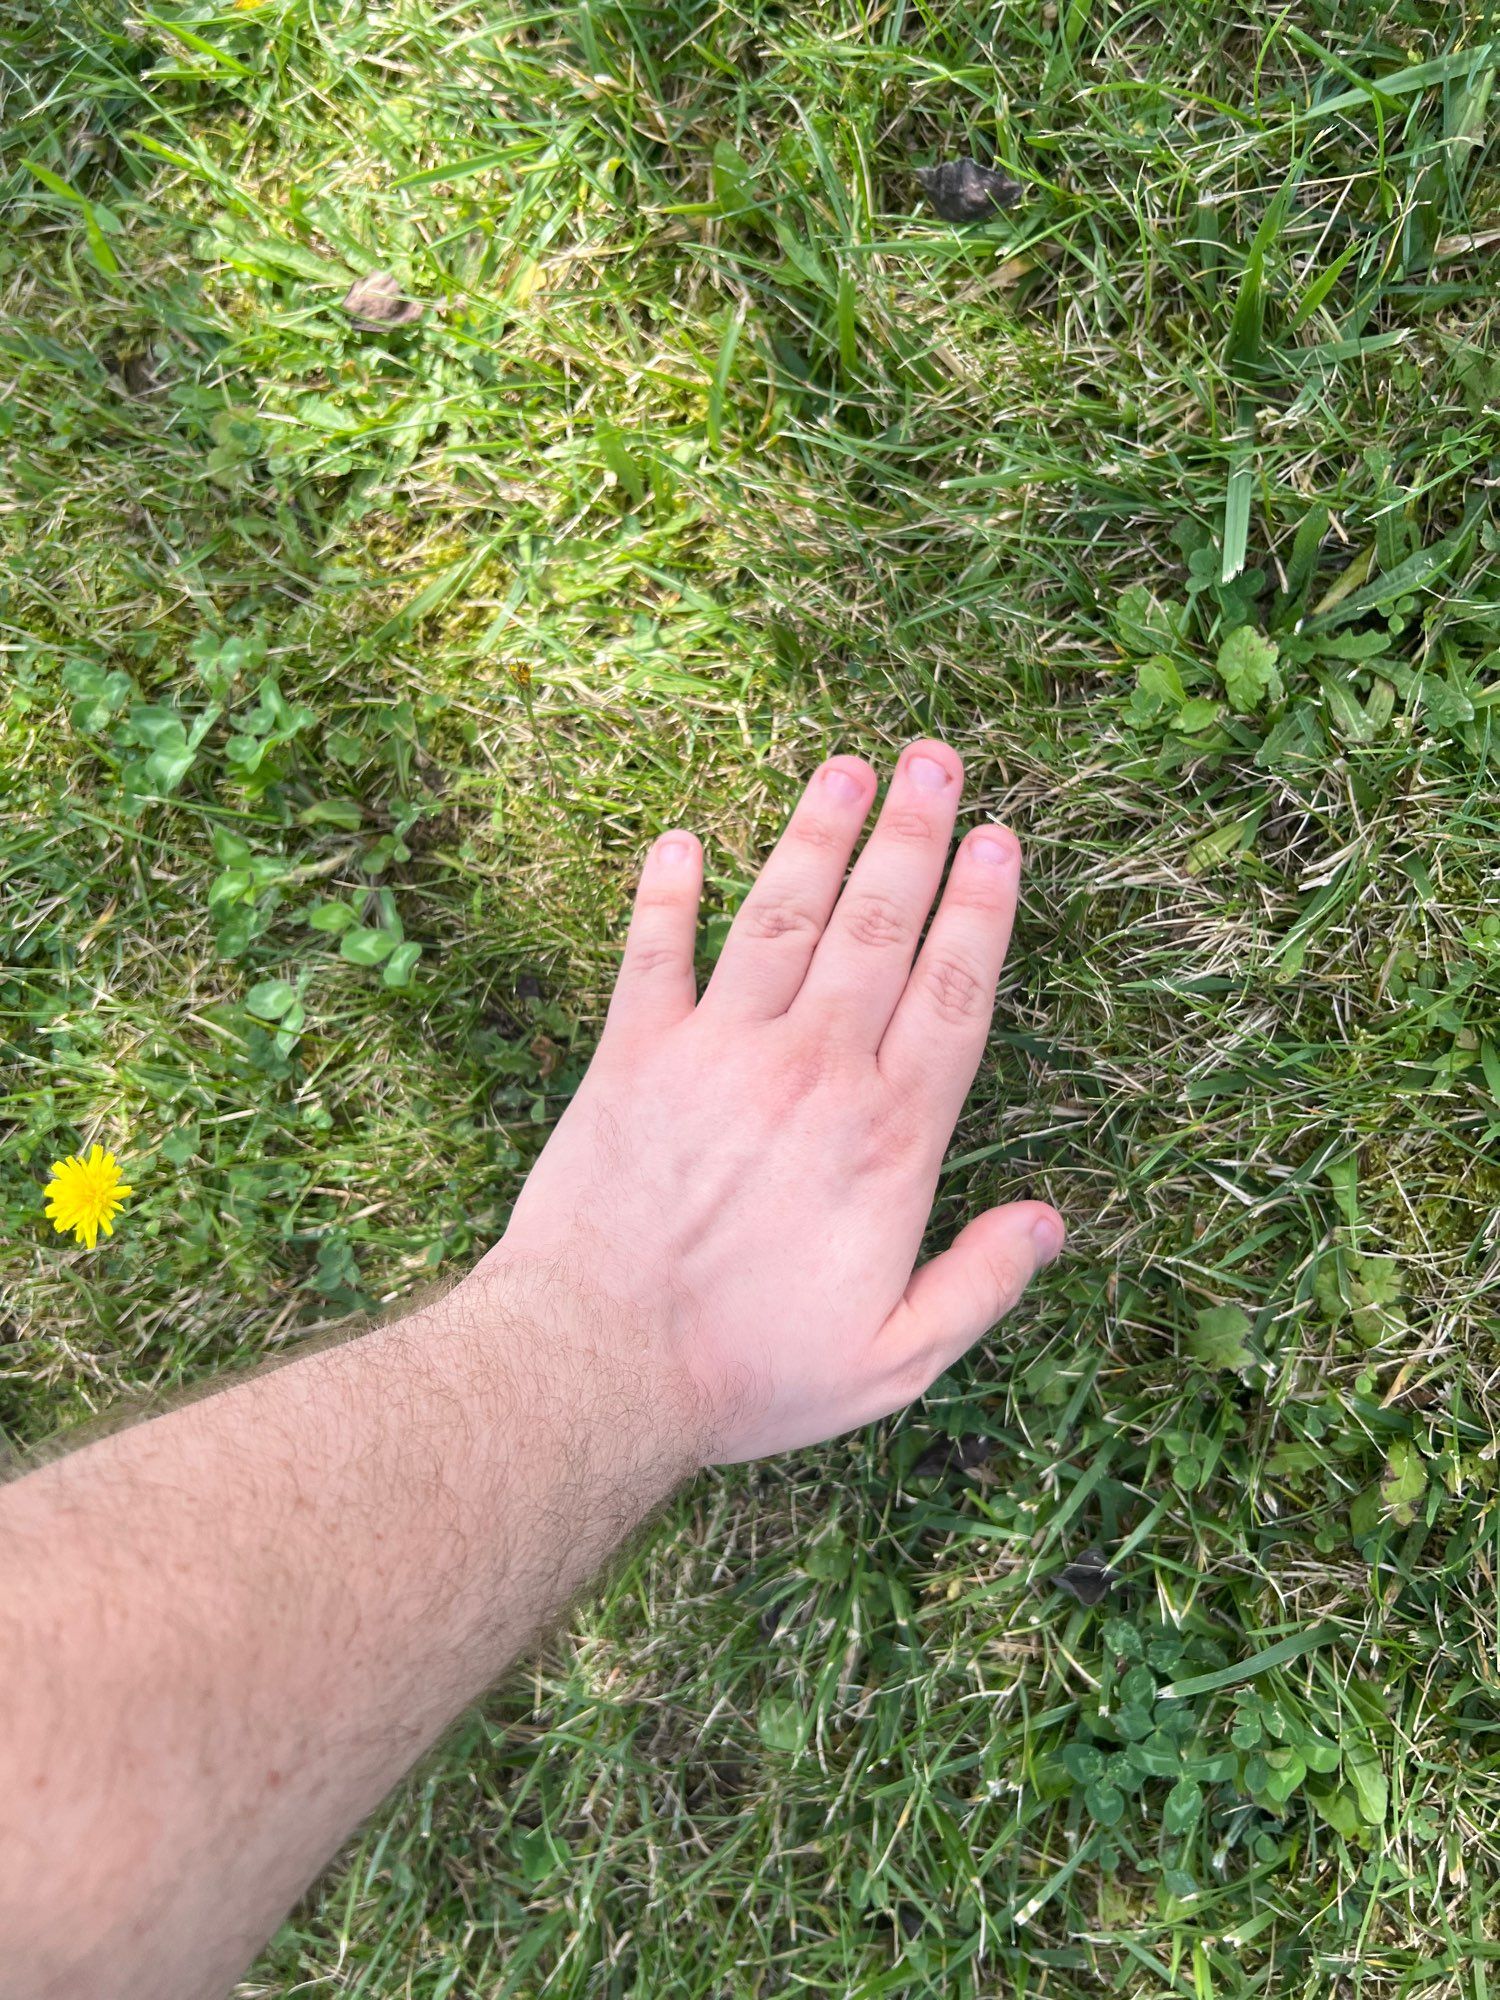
(85, 1195)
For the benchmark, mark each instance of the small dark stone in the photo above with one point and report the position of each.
(1089, 1579)
(964, 191)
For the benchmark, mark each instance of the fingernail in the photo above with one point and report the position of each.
(997, 849)
(841, 784)
(1047, 1233)
(673, 849)
(927, 774)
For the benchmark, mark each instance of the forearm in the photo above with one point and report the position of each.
(224, 1634)
(227, 1632)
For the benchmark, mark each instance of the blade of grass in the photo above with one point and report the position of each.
(1248, 1670)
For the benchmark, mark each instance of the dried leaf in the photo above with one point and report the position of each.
(1090, 1579)
(964, 191)
(138, 371)
(965, 1454)
(378, 300)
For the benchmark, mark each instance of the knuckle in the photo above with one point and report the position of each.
(1007, 1278)
(894, 1135)
(954, 990)
(875, 921)
(913, 1374)
(805, 1064)
(906, 824)
(978, 889)
(803, 1073)
(772, 917)
(807, 830)
(645, 959)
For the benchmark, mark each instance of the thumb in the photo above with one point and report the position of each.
(960, 1294)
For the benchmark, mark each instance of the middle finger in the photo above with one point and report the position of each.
(860, 967)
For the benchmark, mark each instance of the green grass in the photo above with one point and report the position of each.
(714, 451)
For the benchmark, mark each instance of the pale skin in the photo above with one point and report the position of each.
(226, 1632)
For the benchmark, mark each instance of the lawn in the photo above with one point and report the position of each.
(351, 658)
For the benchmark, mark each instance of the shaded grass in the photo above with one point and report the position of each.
(712, 453)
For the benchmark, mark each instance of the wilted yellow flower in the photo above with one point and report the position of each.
(85, 1195)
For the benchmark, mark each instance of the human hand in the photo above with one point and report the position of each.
(752, 1172)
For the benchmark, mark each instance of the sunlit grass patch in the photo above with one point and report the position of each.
(348, 670)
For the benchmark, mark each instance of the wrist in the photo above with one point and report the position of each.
(607, 1364)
